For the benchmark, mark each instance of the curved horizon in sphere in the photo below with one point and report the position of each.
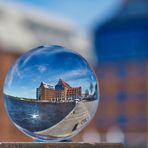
(51, 93)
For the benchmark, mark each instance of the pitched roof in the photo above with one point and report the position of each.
(64, 83)
(46, 85)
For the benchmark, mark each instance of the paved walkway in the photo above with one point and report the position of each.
(73, 122)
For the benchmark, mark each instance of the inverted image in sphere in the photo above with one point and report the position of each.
(51, 93)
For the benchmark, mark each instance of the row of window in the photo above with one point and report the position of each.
(123, 96)
(123, 119)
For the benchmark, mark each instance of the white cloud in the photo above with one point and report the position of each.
(41, 68)
(74, 73)
(71, 75)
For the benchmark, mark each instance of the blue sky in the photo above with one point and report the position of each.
(48, 66)
(84, 13)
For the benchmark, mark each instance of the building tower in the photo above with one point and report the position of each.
(63, 89)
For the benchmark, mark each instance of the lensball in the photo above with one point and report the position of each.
(51, 93)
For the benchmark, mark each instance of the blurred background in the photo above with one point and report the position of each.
(112, 35)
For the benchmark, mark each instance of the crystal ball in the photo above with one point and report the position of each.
(51, 93)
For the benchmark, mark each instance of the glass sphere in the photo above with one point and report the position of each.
(51, 93)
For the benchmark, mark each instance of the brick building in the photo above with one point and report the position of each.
(62, 92)
(45, 92)
(64, 89)
(122, 48)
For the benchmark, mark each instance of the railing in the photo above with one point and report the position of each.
(63, 99)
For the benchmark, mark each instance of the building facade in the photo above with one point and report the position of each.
(65, 90)
(62, 92)
(45, 92)
(122, 48)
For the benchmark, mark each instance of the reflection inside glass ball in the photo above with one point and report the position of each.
(51, 93)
